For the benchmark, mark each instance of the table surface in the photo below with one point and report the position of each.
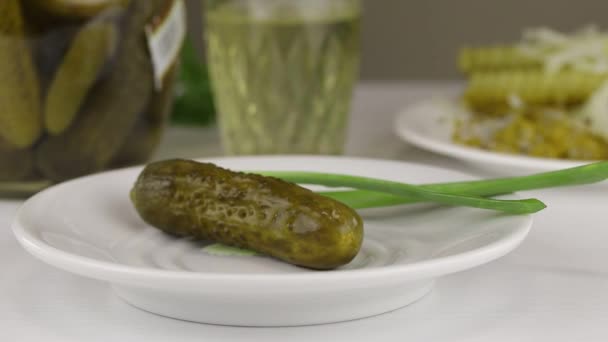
(553, 287)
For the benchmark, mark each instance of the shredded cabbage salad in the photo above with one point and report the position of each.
(585, 50)
(594, 112)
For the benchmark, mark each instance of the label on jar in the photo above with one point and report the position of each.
(166, 34)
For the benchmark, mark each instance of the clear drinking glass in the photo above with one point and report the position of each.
(283, 73)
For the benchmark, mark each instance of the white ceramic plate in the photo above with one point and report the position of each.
(88, 227)
(429, 125)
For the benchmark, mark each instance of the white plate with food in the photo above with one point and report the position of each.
(430, 125)
(89, 227)
(539, 103)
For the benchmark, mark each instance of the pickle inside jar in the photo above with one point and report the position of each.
(76, 9)
(20, 105)
(112, 107)
(147, 133)
(115, 119)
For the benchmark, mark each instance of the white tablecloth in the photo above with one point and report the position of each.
(553, 288)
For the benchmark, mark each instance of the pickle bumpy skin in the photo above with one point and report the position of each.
(265, 214)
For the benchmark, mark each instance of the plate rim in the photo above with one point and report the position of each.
(431, 268)
(467, 153)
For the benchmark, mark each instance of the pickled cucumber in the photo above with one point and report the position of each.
(77, 9)
(82, 65)
(49, 47)
(268, 215)
(147, 133)
(160, 107)
(143, 140)
(111, 109)
(20, 113)
(15, 164)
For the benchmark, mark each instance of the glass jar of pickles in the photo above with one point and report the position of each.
(85, 85)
